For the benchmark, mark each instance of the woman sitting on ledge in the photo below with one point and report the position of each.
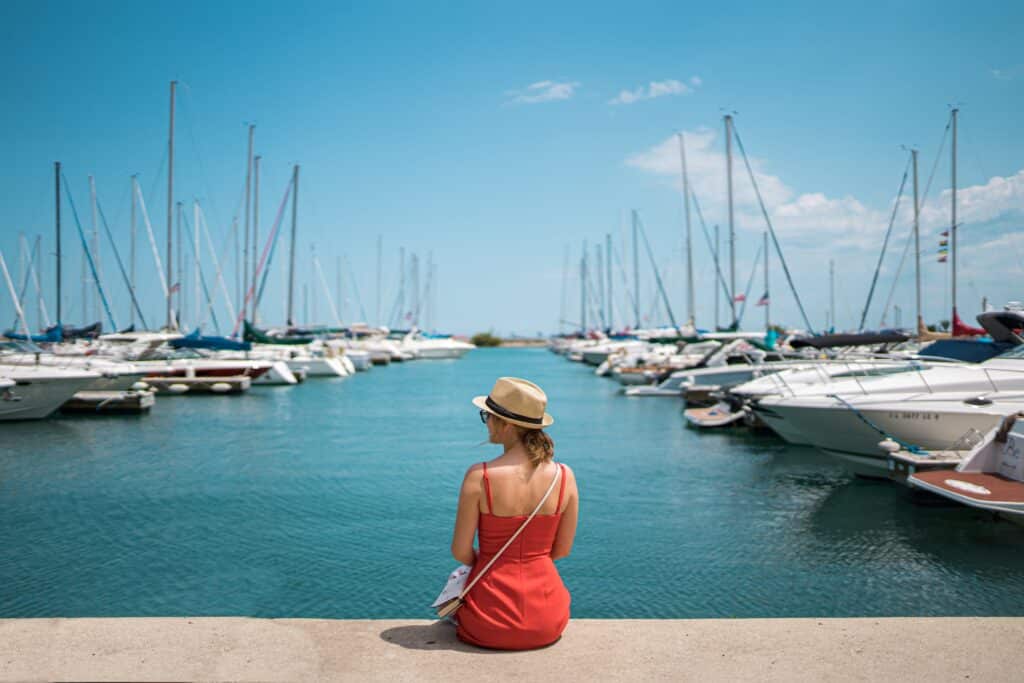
(521, 602)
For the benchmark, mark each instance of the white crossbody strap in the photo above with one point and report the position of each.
(558, 474)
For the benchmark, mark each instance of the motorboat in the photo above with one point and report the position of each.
(433, 347)
(35, 392)
(990, 477)
(850, 428)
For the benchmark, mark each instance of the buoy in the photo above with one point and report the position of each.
(889, 446)
(220, 387)
(177, 388)
(140, 386)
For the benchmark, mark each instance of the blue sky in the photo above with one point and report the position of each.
(418, 123)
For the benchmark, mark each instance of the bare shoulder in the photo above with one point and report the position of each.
(570, 476)
(474, 473)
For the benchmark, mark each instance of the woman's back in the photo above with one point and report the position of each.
(521, 602)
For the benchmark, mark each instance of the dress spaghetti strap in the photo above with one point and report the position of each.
(487, 488)
(561, 489)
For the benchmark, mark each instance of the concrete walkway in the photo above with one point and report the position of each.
(985, 649)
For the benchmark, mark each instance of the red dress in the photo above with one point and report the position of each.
(521, 602)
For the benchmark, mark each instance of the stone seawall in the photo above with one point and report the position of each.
(243, 649)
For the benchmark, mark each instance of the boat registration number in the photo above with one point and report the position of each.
(914, 416)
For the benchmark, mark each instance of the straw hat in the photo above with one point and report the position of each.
(517, 401)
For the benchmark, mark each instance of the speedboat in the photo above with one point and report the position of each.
(990, 478)
(34, 392)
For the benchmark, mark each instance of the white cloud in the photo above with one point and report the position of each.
(978, 204)
(808, 217)
(656, 89)
(543, 91)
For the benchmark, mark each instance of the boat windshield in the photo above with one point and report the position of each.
(1015, 352)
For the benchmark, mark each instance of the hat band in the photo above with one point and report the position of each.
(512, 416)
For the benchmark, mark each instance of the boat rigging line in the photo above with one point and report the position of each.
(910, 237)
(771, 230)
(216, 264)
(657, 275)
(120, 264)
(88, 256)
(885, 244)
(711, 248)
(267, 252)
(202, 278)
(18, 310)
(750, 282)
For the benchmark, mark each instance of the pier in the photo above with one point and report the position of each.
(241, 649)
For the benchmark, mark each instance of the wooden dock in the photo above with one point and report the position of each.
(110, 402)
(173, 386)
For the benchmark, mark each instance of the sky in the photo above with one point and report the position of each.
(494, 140)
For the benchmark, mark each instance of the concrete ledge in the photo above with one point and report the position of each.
(242, 649)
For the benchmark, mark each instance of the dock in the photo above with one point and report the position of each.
(110, 402)
(200, 385)
(243, 649)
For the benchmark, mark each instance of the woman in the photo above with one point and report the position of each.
(520, 603)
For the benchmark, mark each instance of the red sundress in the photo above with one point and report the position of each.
(521, 602)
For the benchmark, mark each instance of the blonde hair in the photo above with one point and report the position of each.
(539, 445)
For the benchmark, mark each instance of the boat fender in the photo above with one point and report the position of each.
(177, 388)
(220, 387)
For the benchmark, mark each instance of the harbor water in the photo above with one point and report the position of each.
(336, 499)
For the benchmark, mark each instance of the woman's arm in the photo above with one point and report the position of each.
(570, 516)
(467, 517)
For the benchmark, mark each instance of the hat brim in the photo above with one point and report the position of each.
(481, 403)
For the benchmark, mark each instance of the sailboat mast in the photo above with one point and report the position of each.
(95, 247)
(180, 281)
(608, 275)
(255, 228)
(767, 296)
(917, 246)
(170, 209)
(832, 292)
(56, 185)
(583, 288)
(690, 304)
(599, 278)
(952, 227)
(131, 257)
(717, 271)
(246, 227)
(197, 276)
(636, 271)
(732, 227)
(291, 260)
(380, 260)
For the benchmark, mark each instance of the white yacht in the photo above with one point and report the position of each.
(34, 392)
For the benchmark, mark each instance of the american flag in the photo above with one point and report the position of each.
(739, 298)
(764, 300)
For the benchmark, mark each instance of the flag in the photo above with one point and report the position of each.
(174, 288)
(943, 243)
(942, 259)
(764, 300)
(739, 298)
(945, 233)
(943, 250)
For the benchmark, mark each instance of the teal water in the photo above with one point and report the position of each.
(336, 499)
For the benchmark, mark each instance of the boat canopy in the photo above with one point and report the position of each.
(1003, 326)
(198, 341)
(831, 340)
